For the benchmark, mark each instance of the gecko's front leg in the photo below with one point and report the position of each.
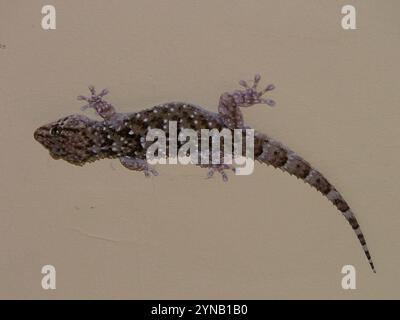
(138, 165)
(230, 103)
(103, 108)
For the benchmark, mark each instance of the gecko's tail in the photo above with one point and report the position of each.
(274, 153)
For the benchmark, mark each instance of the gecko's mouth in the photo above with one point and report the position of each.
(38, 135)
(41, 135)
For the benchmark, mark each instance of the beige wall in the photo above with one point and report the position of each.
(111, 233)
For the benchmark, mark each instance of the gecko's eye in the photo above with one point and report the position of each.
(54, 131)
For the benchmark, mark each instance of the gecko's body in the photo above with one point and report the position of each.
(79, 139)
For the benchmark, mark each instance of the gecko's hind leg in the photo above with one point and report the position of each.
(103, 108)
(230, 103)
(138, 165)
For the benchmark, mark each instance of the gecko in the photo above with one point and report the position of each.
(78, 139)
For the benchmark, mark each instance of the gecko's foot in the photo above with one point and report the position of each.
(150, 171)
(231, 102)
(139, 165)
(250, 95)
(95, 101)
(221, 170)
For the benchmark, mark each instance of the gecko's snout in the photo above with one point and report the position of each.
(45, 136)
(41, 134)
(36, 134)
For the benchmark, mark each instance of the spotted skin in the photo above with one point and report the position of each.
(79, 139)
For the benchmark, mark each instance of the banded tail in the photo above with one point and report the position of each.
(273, 153)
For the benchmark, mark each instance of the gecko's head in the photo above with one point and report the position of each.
(67, 138)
